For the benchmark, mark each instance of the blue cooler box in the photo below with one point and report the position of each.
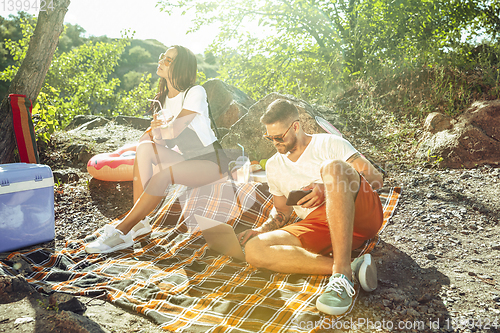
(26, 205)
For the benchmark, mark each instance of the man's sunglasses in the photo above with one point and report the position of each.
(281, 137)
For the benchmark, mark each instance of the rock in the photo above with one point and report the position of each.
(23, 320)
(66, 175)
(221, 95)
(84, 119)
(495, 246)
(135, 122)
(227, 103)
(425, 298)
(98, 122)
(430, 256)
(248, 130)
(65, 302)
(412, 312)
(437, 122)
(80, 152)
(101, 139)
(472, 140)
(396, 296)
(10, 285)
(234, 112)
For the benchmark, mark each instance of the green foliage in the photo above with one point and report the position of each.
(45, 116)
(130, 80)
(81, 78)
(201, 78)
(134, 102)
(70, 38)
(293, 68)
(17, 50)
(138, 54)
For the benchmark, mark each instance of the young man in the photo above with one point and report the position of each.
(340, 213)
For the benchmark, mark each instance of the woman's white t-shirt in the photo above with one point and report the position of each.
(283, 175)
(195, 100)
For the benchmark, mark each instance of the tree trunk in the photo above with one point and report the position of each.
(30, 76)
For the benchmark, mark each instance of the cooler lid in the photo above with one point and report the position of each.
(12, 173)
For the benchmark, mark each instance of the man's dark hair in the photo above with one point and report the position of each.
(281, 111)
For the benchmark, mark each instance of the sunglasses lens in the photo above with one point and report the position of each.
(271, 138)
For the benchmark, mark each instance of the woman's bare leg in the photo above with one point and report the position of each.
(144, 161)
(192, 173)
(136, 182)
(147, 157)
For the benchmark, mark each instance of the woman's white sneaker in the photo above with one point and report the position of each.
(111, 240)
(141, 228)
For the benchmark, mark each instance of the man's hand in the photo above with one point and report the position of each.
(315, 198)
(246, 235)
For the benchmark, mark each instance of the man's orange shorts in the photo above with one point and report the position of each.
(314, 232)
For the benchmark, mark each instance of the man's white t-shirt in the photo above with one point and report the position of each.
(284, 175)
(195, 100)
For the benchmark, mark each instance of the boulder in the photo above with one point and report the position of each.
(84, 121)
(437, 122)
(135, 122)
(227, 103)
(248, 130)
(473, 139)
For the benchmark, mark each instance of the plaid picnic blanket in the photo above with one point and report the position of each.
(172, 277)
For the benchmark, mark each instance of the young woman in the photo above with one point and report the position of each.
(181, 148)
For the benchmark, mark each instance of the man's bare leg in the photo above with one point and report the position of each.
(282, 252)
(341, 187)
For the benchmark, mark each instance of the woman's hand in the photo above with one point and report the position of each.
(159, 122)
(156, 123)
(246, 235)
(315, 198)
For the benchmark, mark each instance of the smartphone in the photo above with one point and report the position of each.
(295, 196)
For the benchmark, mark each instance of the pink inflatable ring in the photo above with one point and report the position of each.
(115, 167)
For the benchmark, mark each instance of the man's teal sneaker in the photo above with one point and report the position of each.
(364, 271)
(337, 297)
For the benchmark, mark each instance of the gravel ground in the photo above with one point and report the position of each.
(438, 257)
